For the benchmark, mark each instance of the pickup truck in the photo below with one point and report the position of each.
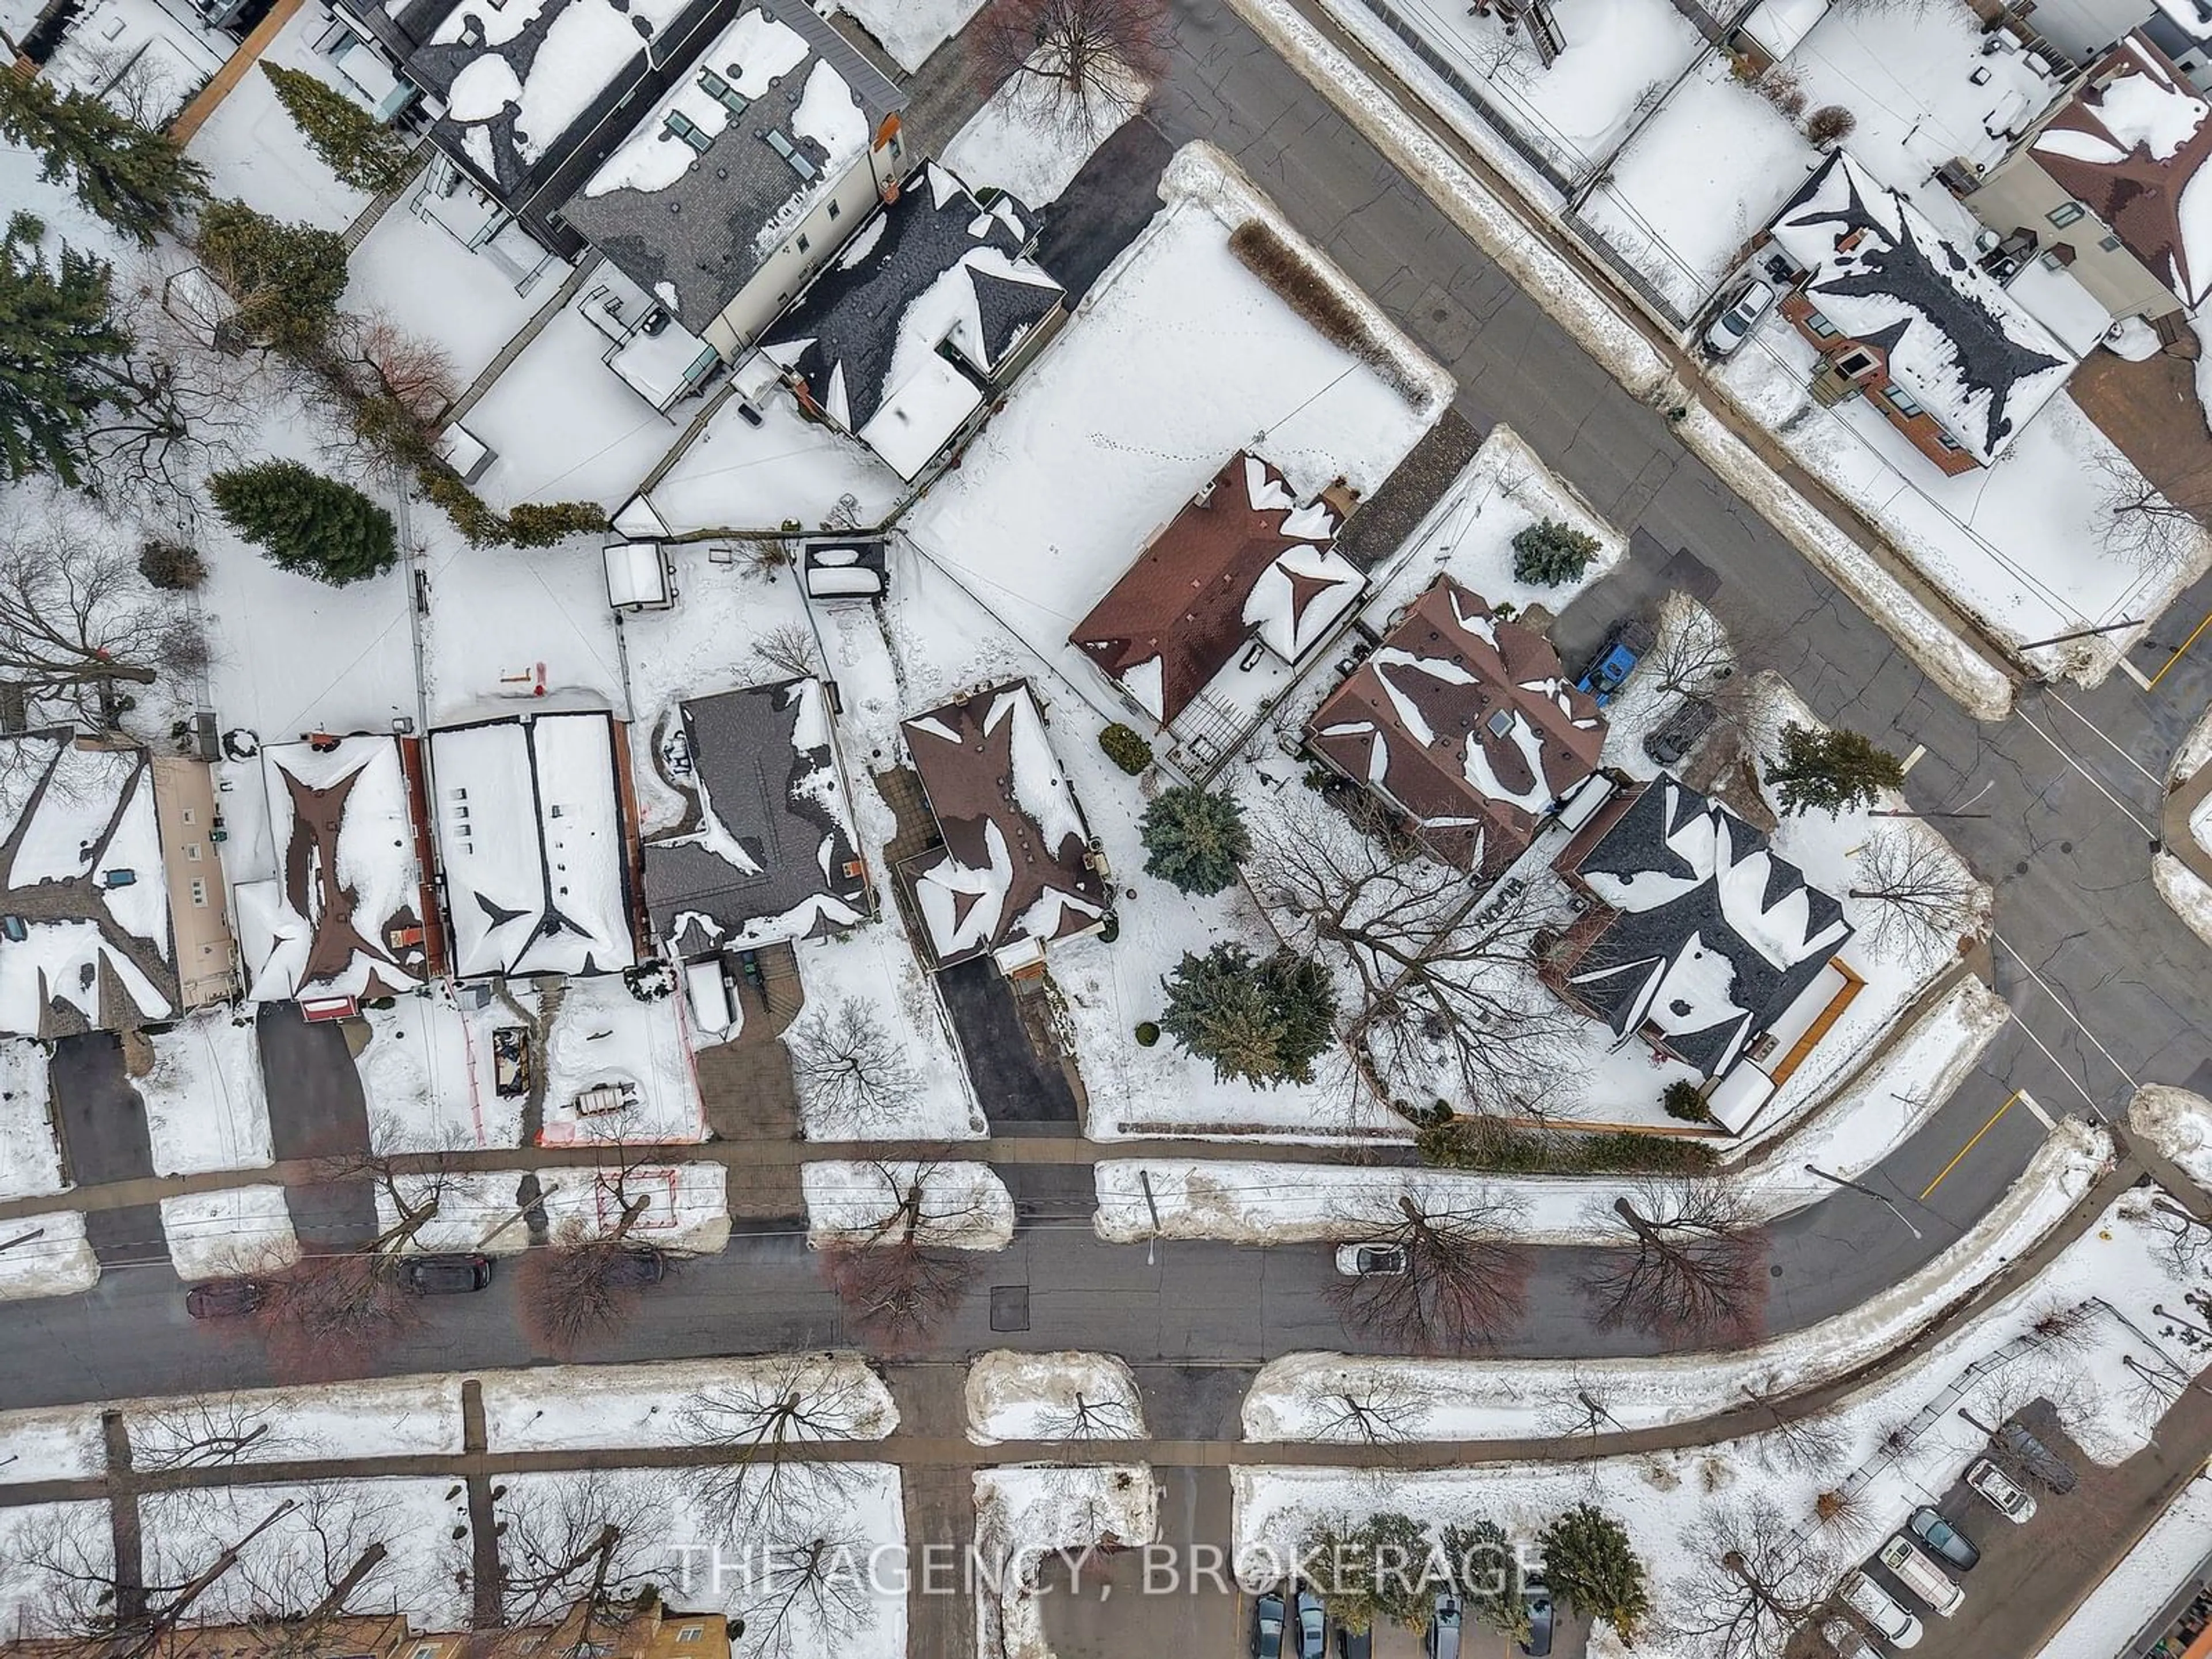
(1615, 661)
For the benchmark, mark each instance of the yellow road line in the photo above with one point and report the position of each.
(1971, 1144)
(2178, 655)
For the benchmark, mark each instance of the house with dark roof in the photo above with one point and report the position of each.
(1697, 936)
(1906, 321)
(2112, 184)
(934, 305)
(765, 851)
(1014, 870)
(1244, 568)
(1465, 723)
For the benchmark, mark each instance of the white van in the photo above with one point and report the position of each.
(1921, 1575)
(1880, 1610)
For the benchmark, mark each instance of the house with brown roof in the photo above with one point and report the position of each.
(1464, 722)
(1243, 568)
(1016, 870)
(2111, 185)
(649, 1629)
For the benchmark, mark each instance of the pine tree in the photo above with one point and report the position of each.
(1548, 553)
(1591, 1566)
(1486, 1574)
(1265, 1023)
(1195, 840)
(361, 149)
(1347, 1596)
(287, 279)
(1831, 770)
(132, 177)
(306, 523)
(60, 353)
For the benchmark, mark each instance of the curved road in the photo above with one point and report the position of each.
(2106, 982)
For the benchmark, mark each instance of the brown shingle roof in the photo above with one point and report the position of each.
(1183, 604)
(2129, 145)
(1466, 723)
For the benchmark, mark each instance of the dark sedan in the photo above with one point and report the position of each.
(1267, 1626)
(445, 1275)
(1943, 1539)
(225, 1299)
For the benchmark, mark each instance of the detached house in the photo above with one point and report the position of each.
(1694, 936)
(1909, 322)
(1465, 723)
(2112, 184)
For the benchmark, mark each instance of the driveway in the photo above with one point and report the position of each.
(317, 1113)
(1013, 1083)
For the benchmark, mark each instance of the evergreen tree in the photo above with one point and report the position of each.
(1262, 1022)
(1486, 1575)
(357, 147)
(132, 177)
(306, 523)
(287, 279)
(1407, 1571)
(1831, 770)
(1548, 553)
(1591, 1566)
(1683, 1099)
(1195, 840)
(60, 353)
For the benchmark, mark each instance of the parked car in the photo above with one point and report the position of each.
(1267, 1624)
(1442, 1641)
(1678, 734)
(2037, 1461)
(1844, 1641)
(1615, 661)
(1739, 316)
(1313, 1625)
(1921, 1575)
(1885, 1615)
(1360, 1260)
(1354, 1643)
(635, 1268)
(1536, 1597)
(445, 1275)
(1944, 1539)
(225, 1299)
(2015, 1503)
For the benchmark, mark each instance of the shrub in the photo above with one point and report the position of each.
(1147, 1033)
(1301, 284)
(532, 524)
(1830, 125)
(1683, 1099)
(1195, 840)
(1548, 553)
(479, 525)
(1126, 747)
(172, 565)
(1490, 1144)
(288, 279)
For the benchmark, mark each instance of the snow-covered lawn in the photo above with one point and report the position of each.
(28, 1601)
(428, 1075)
(687, 1207)
(1024, 1513)
(401, 1417)
(2164, 1563)
(46, 1256)
(589, 1407)
(252, 149)
(1052, 1396)
(424, 278)
(61, 1443)
(911, 29)
(1701, 179)
(205, 1105)
(963, 1206)
(604, 1036)
(236, 1229)
(2022, 544)
(501, 610)
(1895, 1441)
(707, 1557)
(30, 1150)
(1024, 145)
(422, 1523)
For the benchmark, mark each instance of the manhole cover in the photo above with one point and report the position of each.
(1009, 1307)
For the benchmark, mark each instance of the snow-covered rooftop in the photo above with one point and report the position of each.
(931, 269)
(2130, 146)
(765, 851)
(1711, 938)
(775, 113)
(1466, 723)
(347, 912)
(533, 834)
(1884, 276)
(84, 876)
(1243, 560)
(1012, 866)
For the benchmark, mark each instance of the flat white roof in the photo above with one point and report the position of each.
(635, 573)
(918, 418)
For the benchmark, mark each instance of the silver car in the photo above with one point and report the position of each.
(1733, 326)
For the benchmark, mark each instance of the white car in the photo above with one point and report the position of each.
(1734, 325)
(1888, 1621)
(1364, 1260)
(2006, 1499)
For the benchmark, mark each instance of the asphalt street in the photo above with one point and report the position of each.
(2105, 977)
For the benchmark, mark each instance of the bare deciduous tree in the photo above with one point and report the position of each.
(1753, 1583)
(895, 1292)
(1925, 900)
(414, 372)
(1372, 1405)
(1463, 1284)
(1690, 1267)
(584, 1538)
(847, 1067)
(581, 1285)
(1809, 1441)
(206, 1430)
(2142, 527)
(328, 1550)
(810, 1592)
(1085, 65)
(787, 652)
(2188, 1240)
(763, 1419)
(1584, 1408)
(1440, 973)
(1087, 1417)
(324, 1316)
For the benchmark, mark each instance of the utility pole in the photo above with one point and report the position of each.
(1857, 1187)
(1144, 1179)
(23, 1238)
